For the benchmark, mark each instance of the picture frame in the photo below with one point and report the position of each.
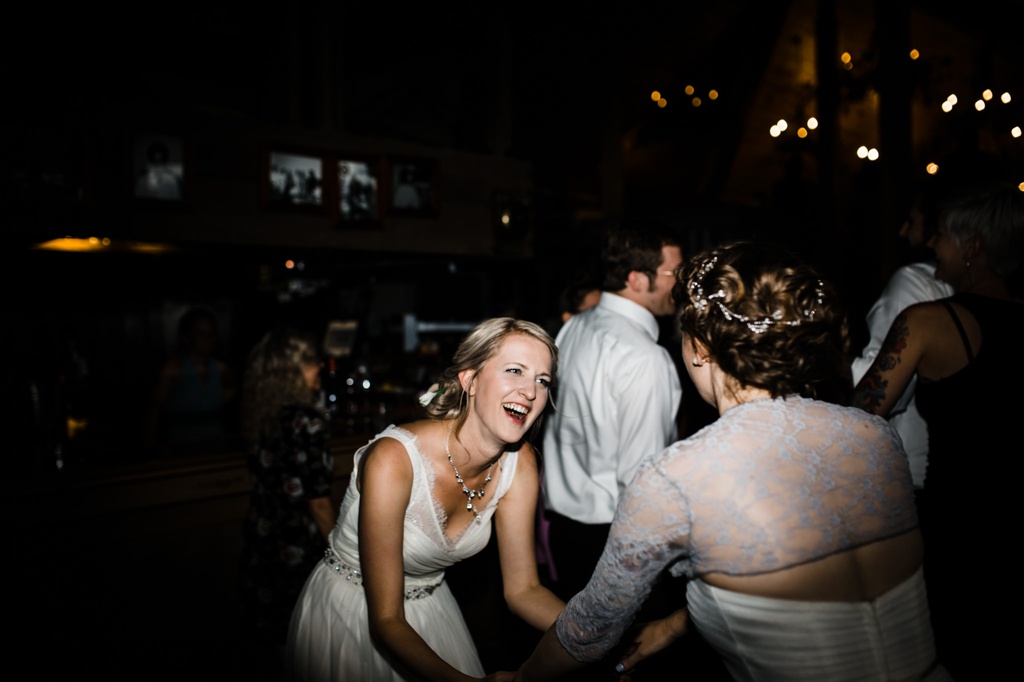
(295, 179)
(358, 184)
(161, 172)
(413, 187)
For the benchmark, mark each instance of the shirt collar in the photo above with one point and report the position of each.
(630, 310)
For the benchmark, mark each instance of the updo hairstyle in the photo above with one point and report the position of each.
(476, 349)
(768, 320)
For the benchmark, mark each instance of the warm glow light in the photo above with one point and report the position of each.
(712, 94)
(289, 264)
(688, 89)
(872, 154)
(1005, 98)
(862, 152)
(801, 132)
(1016, 131)
(655, 96)
(505, 218)
(947, 106)
(812, 123)
(914, 54)
(69, 244)
(662, 103)
(987, 95)
(845, 58)
(980, 105)
(1021, 187)
(696, 101)
(951, 99)
(782, 124)
(774, 130)
(932, 168)
(97, 244)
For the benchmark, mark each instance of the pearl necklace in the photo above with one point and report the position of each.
(470, 494)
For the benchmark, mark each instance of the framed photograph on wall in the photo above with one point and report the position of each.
(358, 191)
(412, 187)
(294, 179)
(159, 171)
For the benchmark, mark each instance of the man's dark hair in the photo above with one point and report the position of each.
(634, 245)
(573, 294)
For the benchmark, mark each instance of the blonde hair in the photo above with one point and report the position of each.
(476, 349)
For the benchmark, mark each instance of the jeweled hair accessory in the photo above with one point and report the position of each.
(701, 302)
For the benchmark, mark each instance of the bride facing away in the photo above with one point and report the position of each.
(422, 497)
(793, 519)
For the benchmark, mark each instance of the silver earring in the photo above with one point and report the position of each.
(695, 363)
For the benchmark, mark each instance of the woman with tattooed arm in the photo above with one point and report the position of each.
(965, 351)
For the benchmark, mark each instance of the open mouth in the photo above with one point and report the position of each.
(516, 411)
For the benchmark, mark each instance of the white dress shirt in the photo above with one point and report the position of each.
(913, 283)
(615, 403)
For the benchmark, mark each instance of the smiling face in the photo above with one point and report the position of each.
(511, 390)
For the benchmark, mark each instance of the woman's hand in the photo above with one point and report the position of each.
(650, 638)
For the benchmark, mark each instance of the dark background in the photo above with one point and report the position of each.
(541, 112)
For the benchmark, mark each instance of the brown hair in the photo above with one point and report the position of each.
(767, 319)
(274, 378)
(633, 246)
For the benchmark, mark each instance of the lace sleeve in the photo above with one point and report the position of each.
(770, 485)
(650, 531)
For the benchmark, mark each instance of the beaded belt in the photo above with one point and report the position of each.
(355, 576)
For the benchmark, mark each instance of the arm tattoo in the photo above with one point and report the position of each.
(871, 390)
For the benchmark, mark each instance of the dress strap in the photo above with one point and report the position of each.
(960, 328)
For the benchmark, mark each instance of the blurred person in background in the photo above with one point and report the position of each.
(291, 513)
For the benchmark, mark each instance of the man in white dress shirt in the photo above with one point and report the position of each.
(616, 399)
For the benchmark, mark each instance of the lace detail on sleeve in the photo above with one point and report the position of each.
(770, 485)
(649, 532)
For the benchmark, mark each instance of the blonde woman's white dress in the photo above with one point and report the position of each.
(329, 638)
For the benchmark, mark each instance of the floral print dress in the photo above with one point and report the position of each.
(281, 542)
